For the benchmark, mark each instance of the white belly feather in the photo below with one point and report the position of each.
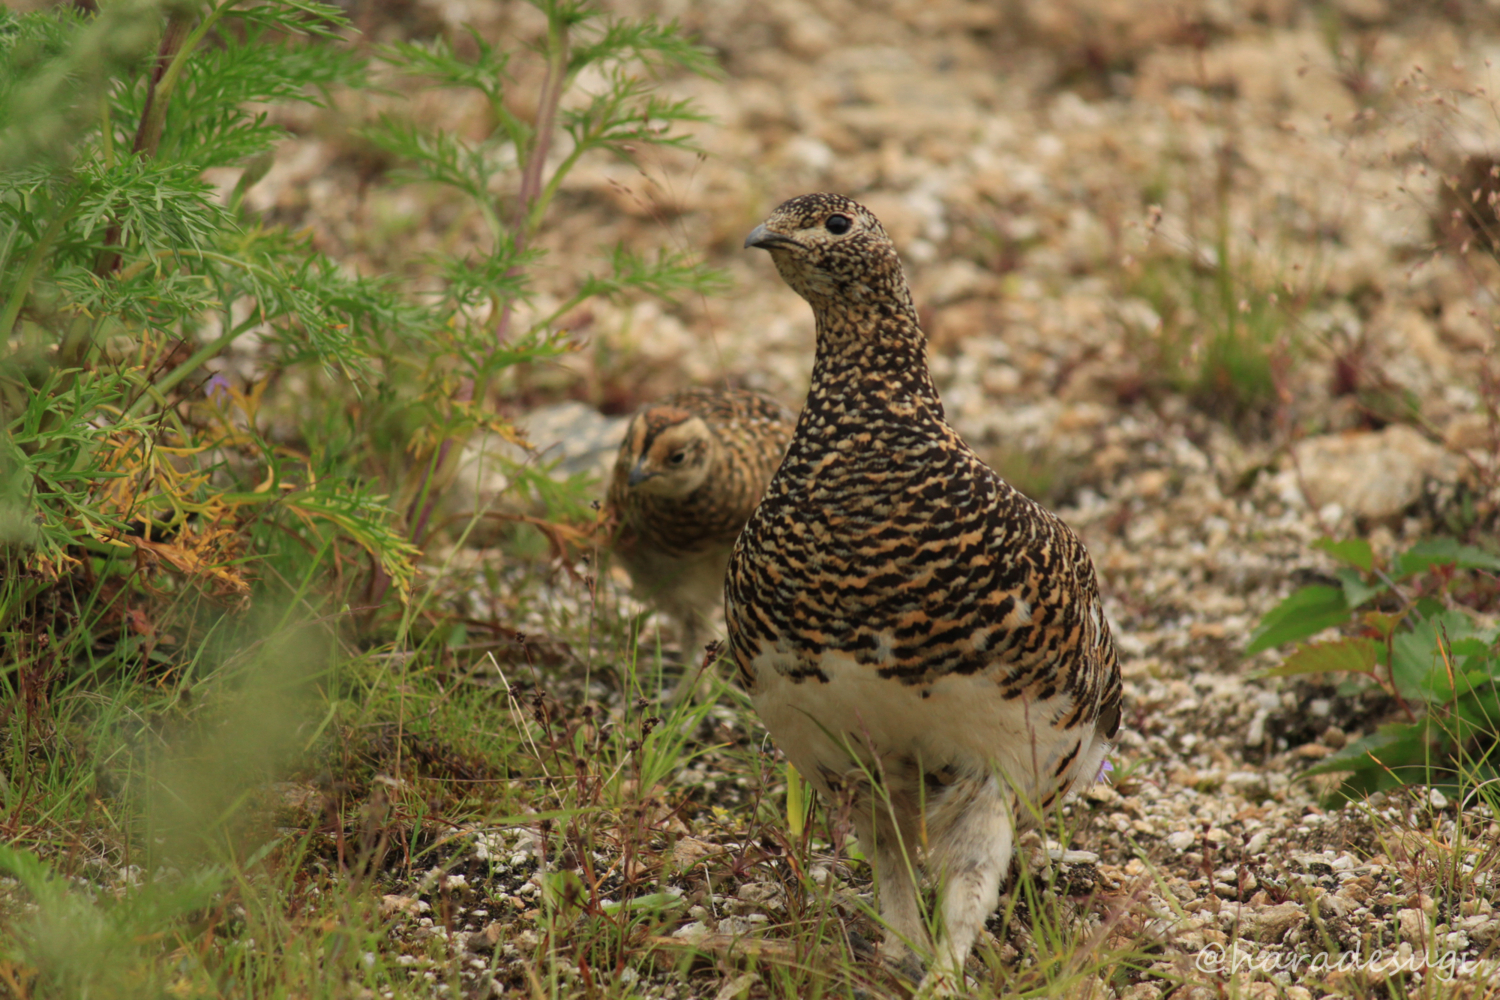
(963, 722)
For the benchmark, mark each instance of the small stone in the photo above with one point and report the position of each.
(1413, 926)
(1470, 432)
(737, 986)
(1354, 893)
(688, 851)
(1101, 793)
(759, 893)
(1462, 327)
(391, 905)
(1181, 840)
(1372, 475)
(736, 926)
(1272, 923)
(1481, 929)
(1250, 784)
(1232, 915)
(487, 847)
(693, 932)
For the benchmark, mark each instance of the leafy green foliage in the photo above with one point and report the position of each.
(1354, 551)
(82, 945)
(1358, 655)
(1414, 638)
(122, 274)
(146, 503)
(55, 68)
(208, 116)
(475, 344)
(110, 257)
(1306, 612)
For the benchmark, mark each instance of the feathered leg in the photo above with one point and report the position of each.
(970, 858)
(895, 861)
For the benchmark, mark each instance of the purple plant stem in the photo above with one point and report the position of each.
(420, 513)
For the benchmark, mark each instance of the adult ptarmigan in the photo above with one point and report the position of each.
(913, 631)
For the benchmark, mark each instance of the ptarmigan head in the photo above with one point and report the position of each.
(668, 452)
(831, 249)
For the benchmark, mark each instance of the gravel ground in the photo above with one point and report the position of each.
(1042, 166)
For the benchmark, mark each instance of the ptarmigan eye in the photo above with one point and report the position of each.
(677, 458)
(838, 225)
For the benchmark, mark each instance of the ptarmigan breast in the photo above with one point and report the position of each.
(900, 614)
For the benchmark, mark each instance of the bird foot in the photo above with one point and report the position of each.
(941, 983)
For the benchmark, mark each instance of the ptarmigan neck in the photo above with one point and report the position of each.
(872, 356)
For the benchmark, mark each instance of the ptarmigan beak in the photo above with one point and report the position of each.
(762, 237)
(639, 473)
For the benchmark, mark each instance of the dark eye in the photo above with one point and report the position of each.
(677, 458)
(838, 225)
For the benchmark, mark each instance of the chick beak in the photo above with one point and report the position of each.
(763, 238)
(639, 473)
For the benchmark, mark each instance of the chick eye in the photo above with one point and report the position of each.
(838, 225)
(677, 458)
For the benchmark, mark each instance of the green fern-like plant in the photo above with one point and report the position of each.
(123, 274)
(620, 116)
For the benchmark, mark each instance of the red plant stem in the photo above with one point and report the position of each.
(553, 85)
(546, 122)
(426, 496)
(419, 515)
(148, 131)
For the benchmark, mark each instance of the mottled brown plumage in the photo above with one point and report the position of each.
(913, 631)
(690, 470)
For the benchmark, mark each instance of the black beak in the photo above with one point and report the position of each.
(639, 474)
(762, 237)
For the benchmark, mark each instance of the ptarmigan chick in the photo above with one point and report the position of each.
(914, 632)
(690, 470)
